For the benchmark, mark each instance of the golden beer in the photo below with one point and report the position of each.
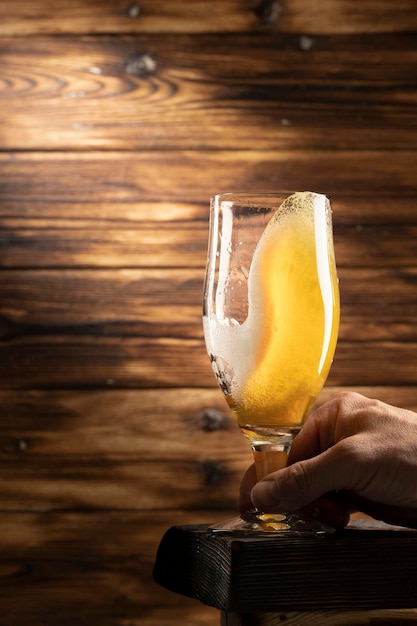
(272, 364)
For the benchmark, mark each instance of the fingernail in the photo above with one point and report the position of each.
(265, 495)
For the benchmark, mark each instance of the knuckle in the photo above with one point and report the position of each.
(356, 414)
(348, 401)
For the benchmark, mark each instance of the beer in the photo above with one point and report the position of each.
(273, 364)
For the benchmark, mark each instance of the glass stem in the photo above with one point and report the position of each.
(270, 457)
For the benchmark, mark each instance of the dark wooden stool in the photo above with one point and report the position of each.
(354, 576)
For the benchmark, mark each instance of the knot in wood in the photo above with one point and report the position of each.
(212, 420)
(133, 10)
(21, 445)
(306, 43)
(268, 11)
(141, 65)
(212, 472)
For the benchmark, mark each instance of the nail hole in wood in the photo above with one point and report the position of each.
(268, 11)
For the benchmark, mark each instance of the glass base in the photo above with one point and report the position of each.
(271, 524)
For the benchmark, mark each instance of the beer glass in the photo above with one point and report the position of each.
(270, 318)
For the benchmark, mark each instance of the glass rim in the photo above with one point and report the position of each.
(253, 193)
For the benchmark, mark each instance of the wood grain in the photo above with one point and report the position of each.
(89, 362)
(62, 207)
(170, 176)
(166, 302)
(244, 574)
(129, 450)
(119, 450)
(43, 234)
(119, 120)
(208, 92)
(323, 618)
(89, 568)
(65, 246)
(31, 17)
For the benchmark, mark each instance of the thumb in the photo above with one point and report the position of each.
(300, 484)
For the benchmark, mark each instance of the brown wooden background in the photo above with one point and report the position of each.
(118, 120)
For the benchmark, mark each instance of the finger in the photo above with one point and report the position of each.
(248, 481)
(325, 426)
(296, 486)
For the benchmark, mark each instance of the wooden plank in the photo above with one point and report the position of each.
(380, 617)
(29, 17)
(376, 304)
(190, 93)
(104, 451)
(122, 482)
(150, 451)
(95, 568)
(59, 206)
(83, 423)
(376, 569)
(164, 176)
(373, 221)
(123, 302)
(88, 361)
(149, 246)
(189, 425)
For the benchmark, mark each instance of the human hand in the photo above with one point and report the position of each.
(353, 453)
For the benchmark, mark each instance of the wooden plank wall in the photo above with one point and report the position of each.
(118, 121)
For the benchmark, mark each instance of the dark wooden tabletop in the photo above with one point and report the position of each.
(118, 121)
(349, 570)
